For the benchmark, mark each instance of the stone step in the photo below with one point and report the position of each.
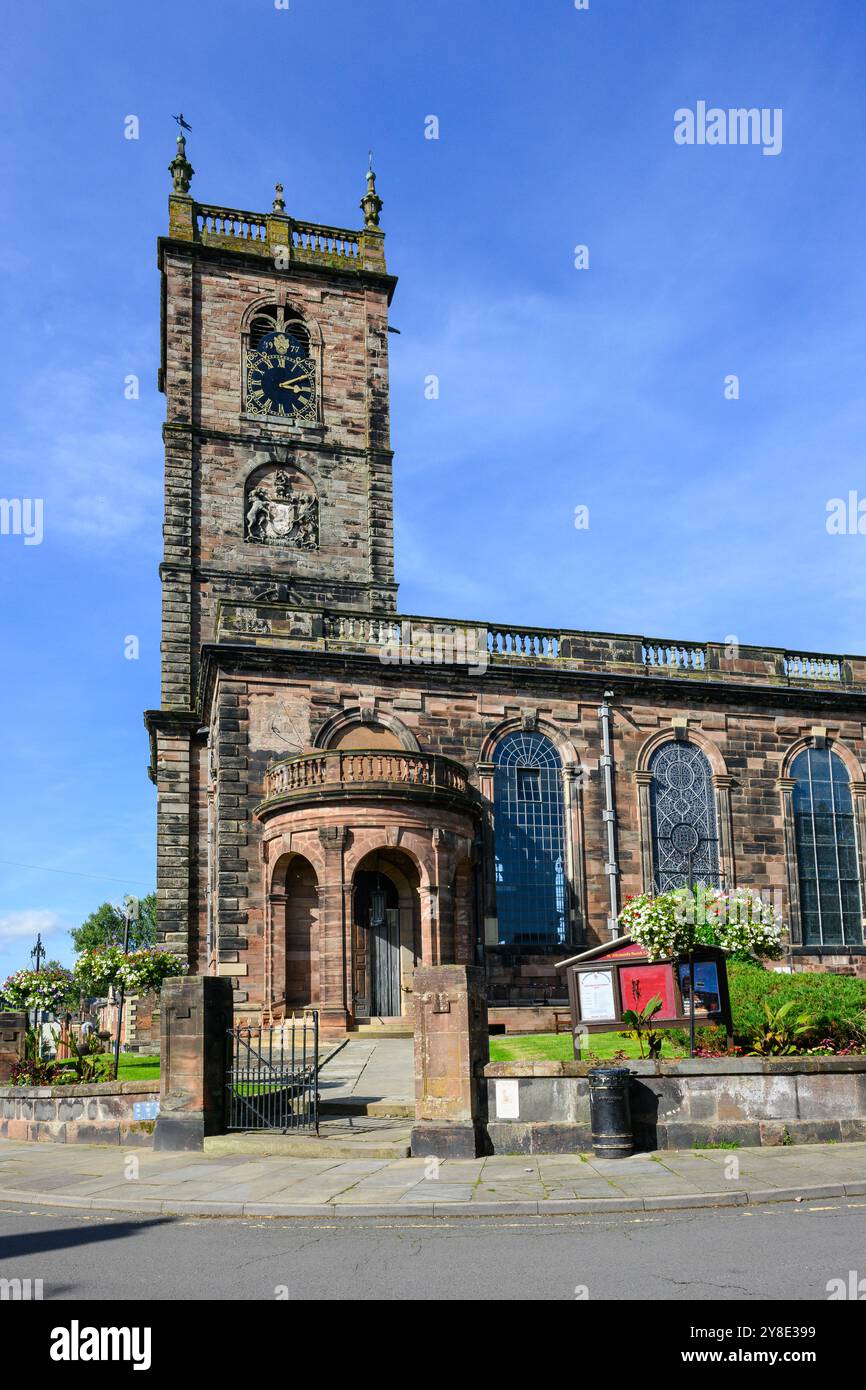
(398, 1109)
(336, 1139)
(375, 1028)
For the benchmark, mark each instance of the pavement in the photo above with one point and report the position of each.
(370, 1076)
(108, 1178)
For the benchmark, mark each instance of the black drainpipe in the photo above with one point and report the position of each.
(611, 866)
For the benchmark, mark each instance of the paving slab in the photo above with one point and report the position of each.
(96, 1178)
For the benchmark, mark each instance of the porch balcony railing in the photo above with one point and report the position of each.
(351, 772)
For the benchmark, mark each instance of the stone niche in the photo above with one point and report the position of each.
(281, 508)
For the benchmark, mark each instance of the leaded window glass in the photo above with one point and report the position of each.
(827, 868)
(529, 816)
(683, 817)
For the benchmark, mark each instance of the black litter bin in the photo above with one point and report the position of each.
(610, 1112)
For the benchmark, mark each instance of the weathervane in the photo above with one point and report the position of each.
(180, 168)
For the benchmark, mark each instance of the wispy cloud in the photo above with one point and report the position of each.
(25, 924)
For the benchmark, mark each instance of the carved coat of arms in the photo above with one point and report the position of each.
(285, 516)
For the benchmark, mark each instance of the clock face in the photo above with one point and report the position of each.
(281, 379)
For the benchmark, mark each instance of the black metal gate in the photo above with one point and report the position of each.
(272, 1075)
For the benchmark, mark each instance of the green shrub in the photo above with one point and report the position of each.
(836, 1004)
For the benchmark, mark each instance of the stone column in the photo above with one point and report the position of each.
(786, 787)
(196, 1015)
(643, 778)
(722, 783)
(858, 797)
(334, 941)
(13, 1029)
(486, 789)
(451, 1051)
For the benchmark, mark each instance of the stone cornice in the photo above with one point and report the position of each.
(311, 439)
(589, 684)
(231, 256)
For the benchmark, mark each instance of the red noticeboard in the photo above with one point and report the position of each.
(640, 983)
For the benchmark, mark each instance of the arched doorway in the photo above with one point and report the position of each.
(385, 933)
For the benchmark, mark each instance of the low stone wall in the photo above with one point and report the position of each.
(100, 1113)
(543, 1107)
(527, 1018)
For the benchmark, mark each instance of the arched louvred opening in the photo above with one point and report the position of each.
(684, 829)
(275, 318)
(826, 846)
(529, 831)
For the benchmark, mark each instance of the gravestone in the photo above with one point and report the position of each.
(13, 1028)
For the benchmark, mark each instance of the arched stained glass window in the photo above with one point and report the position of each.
(683, 817)
(531, 895)
(827, 867)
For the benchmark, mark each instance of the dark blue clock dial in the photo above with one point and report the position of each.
(281, 379)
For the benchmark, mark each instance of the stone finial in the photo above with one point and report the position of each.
(180, 168)
(371, 203)
(279, 201)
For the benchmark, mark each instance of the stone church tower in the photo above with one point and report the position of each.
(344, 792)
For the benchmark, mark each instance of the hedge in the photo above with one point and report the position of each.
(836, 1003)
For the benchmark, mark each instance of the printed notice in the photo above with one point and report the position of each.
(596, 995)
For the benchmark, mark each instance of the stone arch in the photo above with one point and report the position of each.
(294, 313)
(562, 743)
(710, 750)
(330, 733)
(849, 758)
(373, 841)
(384, 953)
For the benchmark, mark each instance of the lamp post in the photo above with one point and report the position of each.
(685, 838)
(38, 953)
(131, 910)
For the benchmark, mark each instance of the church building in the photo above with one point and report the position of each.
(346, 791)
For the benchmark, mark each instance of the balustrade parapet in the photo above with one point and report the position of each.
(400, 639)
(283, 239)
(344, 772)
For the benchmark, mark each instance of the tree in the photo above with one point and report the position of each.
(104, 927)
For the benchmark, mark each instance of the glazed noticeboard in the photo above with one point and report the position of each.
(606, 981)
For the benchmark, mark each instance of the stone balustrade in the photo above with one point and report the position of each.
(321, 245)
(216, 225)
(347, 772)
(418, 641)
(273, 234)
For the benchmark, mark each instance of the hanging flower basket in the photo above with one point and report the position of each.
(136, 972)
(670, 925)
(44, 990)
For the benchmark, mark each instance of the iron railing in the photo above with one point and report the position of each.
(272, 1075)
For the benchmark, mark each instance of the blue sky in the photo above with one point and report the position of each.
(558, 387)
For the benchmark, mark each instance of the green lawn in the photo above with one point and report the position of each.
(133, 1067)
(557, 1047)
